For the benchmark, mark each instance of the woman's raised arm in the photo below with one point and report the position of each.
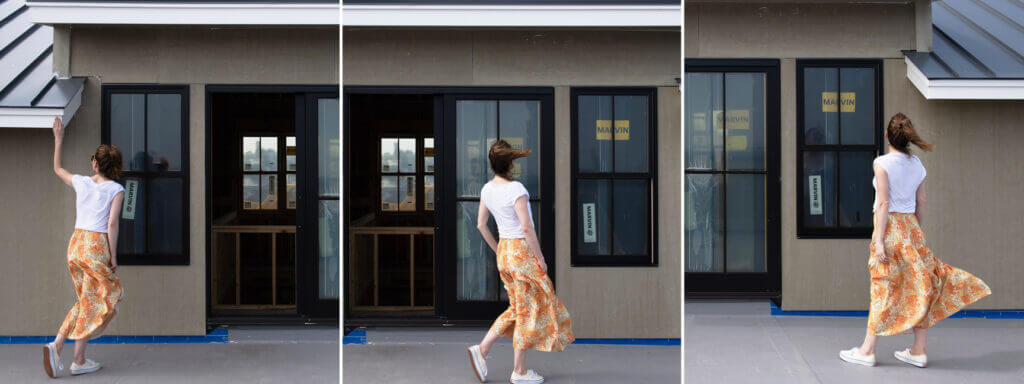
(58, 144)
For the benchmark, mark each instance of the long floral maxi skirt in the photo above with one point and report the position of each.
(98, 289)
(915, 289)
(535, 318)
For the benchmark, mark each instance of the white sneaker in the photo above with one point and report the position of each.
(919, 361)
(530, 377)
(51, 361)
(81, 369)
(476, 360)
(853, 355)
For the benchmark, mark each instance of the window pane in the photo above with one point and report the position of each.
(163, 131)
(407, 155)
(630, 133)
(476, 268)
(631, 217)
(389, 155)
(703, 128)
(407, 192)
(818, 188)
(328, 150)
(268, 154)
(745, 223)
(128, 129)
(476, 127)
(520, 127)
(250, 191)
(821, 120)
(132, 236)
(329, 248)
(857, 195)
(594, 219)
(744, 120)
(290, 190)
(290, 152)
(165, 208)
(704, 240)
(268, 191)
(428, 192)
(428, 154)
(250, 154)
(389, 193)
(857, 112)
(594, 133)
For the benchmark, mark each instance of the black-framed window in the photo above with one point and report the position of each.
(263, 173)
(839, 120)
(149, 124)
(613, 176)
(406, 162)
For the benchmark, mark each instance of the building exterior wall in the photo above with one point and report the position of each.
(159, 300)
(640, 302)
(970, 188)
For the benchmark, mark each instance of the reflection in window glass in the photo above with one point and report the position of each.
(163, 131)
(407, 155)
(132, 236)
(857, 116)
(476, 127)
(476, 271)
(745, 223)
(821, 122)
(330, 248)
(630, 133)
(268, 192)
(428, 154)
(128, 129)
(744, 120)
(250, 154)
(165, 205)
(520, 127)
(819, 189)
(428, 192)
(631, 217)
(290, 190)
(594, 199)
(329, 147)
(250, 192)
(268, 154)
(407, 193)
(856, 195)
(389, 155)
(705, 242)
(702, 127)
(594, 145)
(389, 193)
(290, 153)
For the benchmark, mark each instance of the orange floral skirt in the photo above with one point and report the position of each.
(915, 289)
(98, 289)
(535, 318)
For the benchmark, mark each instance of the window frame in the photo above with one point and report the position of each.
(419, 174)
(612, 260)
(282, 170)
(149, 258)
(837, 232)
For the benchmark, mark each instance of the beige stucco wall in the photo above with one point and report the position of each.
(604, 302)
(39, 209)
(971, 215)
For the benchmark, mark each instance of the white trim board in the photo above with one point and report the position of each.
(964, 89)
(38, 117)
(511, 15)
(183, 13)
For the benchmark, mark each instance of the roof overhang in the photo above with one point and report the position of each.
(964, 89)
(39, 117)
(183, 13)
(525, 15)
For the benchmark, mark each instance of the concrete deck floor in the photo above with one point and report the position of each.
(394, 355)
(253, 355)
(739, 342)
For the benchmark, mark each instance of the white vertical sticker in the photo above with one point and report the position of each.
(589, 224)
(130, 191)
(815, 184)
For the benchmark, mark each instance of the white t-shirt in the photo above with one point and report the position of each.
(500, 200)
(92, 202)
(905, 174)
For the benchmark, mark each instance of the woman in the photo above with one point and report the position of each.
(92, 254)
(535, 318)
(910, 288)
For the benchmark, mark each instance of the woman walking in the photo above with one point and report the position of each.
(535, 318)
(92, 257)
(910, 288)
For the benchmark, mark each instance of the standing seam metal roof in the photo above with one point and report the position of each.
(26, 63)
(974, 39)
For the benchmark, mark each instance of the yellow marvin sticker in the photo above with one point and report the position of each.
(848, 102)
(604, 128)
(733, 119)
(735, 143)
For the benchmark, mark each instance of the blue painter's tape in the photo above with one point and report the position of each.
(629, 341)
(964, 314)
(355, 337)
(219, 335)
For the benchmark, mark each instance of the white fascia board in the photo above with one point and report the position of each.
(37, 117)
(964, 89)
(511, 15)
(183, 13)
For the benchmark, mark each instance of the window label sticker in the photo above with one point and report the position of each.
(589, 224)
(604, 130)
(815, 185)
(848, 102)
(732, 119)
(131, 190)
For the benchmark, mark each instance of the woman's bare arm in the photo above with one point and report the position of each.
(112, 228)
(58, 144)
(881, 213)
(481, 225)
(921, 200)
(527, 226)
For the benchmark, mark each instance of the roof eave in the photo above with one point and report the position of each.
(528, 15)
(184, 13)
(964, 89)
(39, 117)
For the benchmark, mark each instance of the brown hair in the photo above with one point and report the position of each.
(108, 161)
(901, 134)
(501, 156)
